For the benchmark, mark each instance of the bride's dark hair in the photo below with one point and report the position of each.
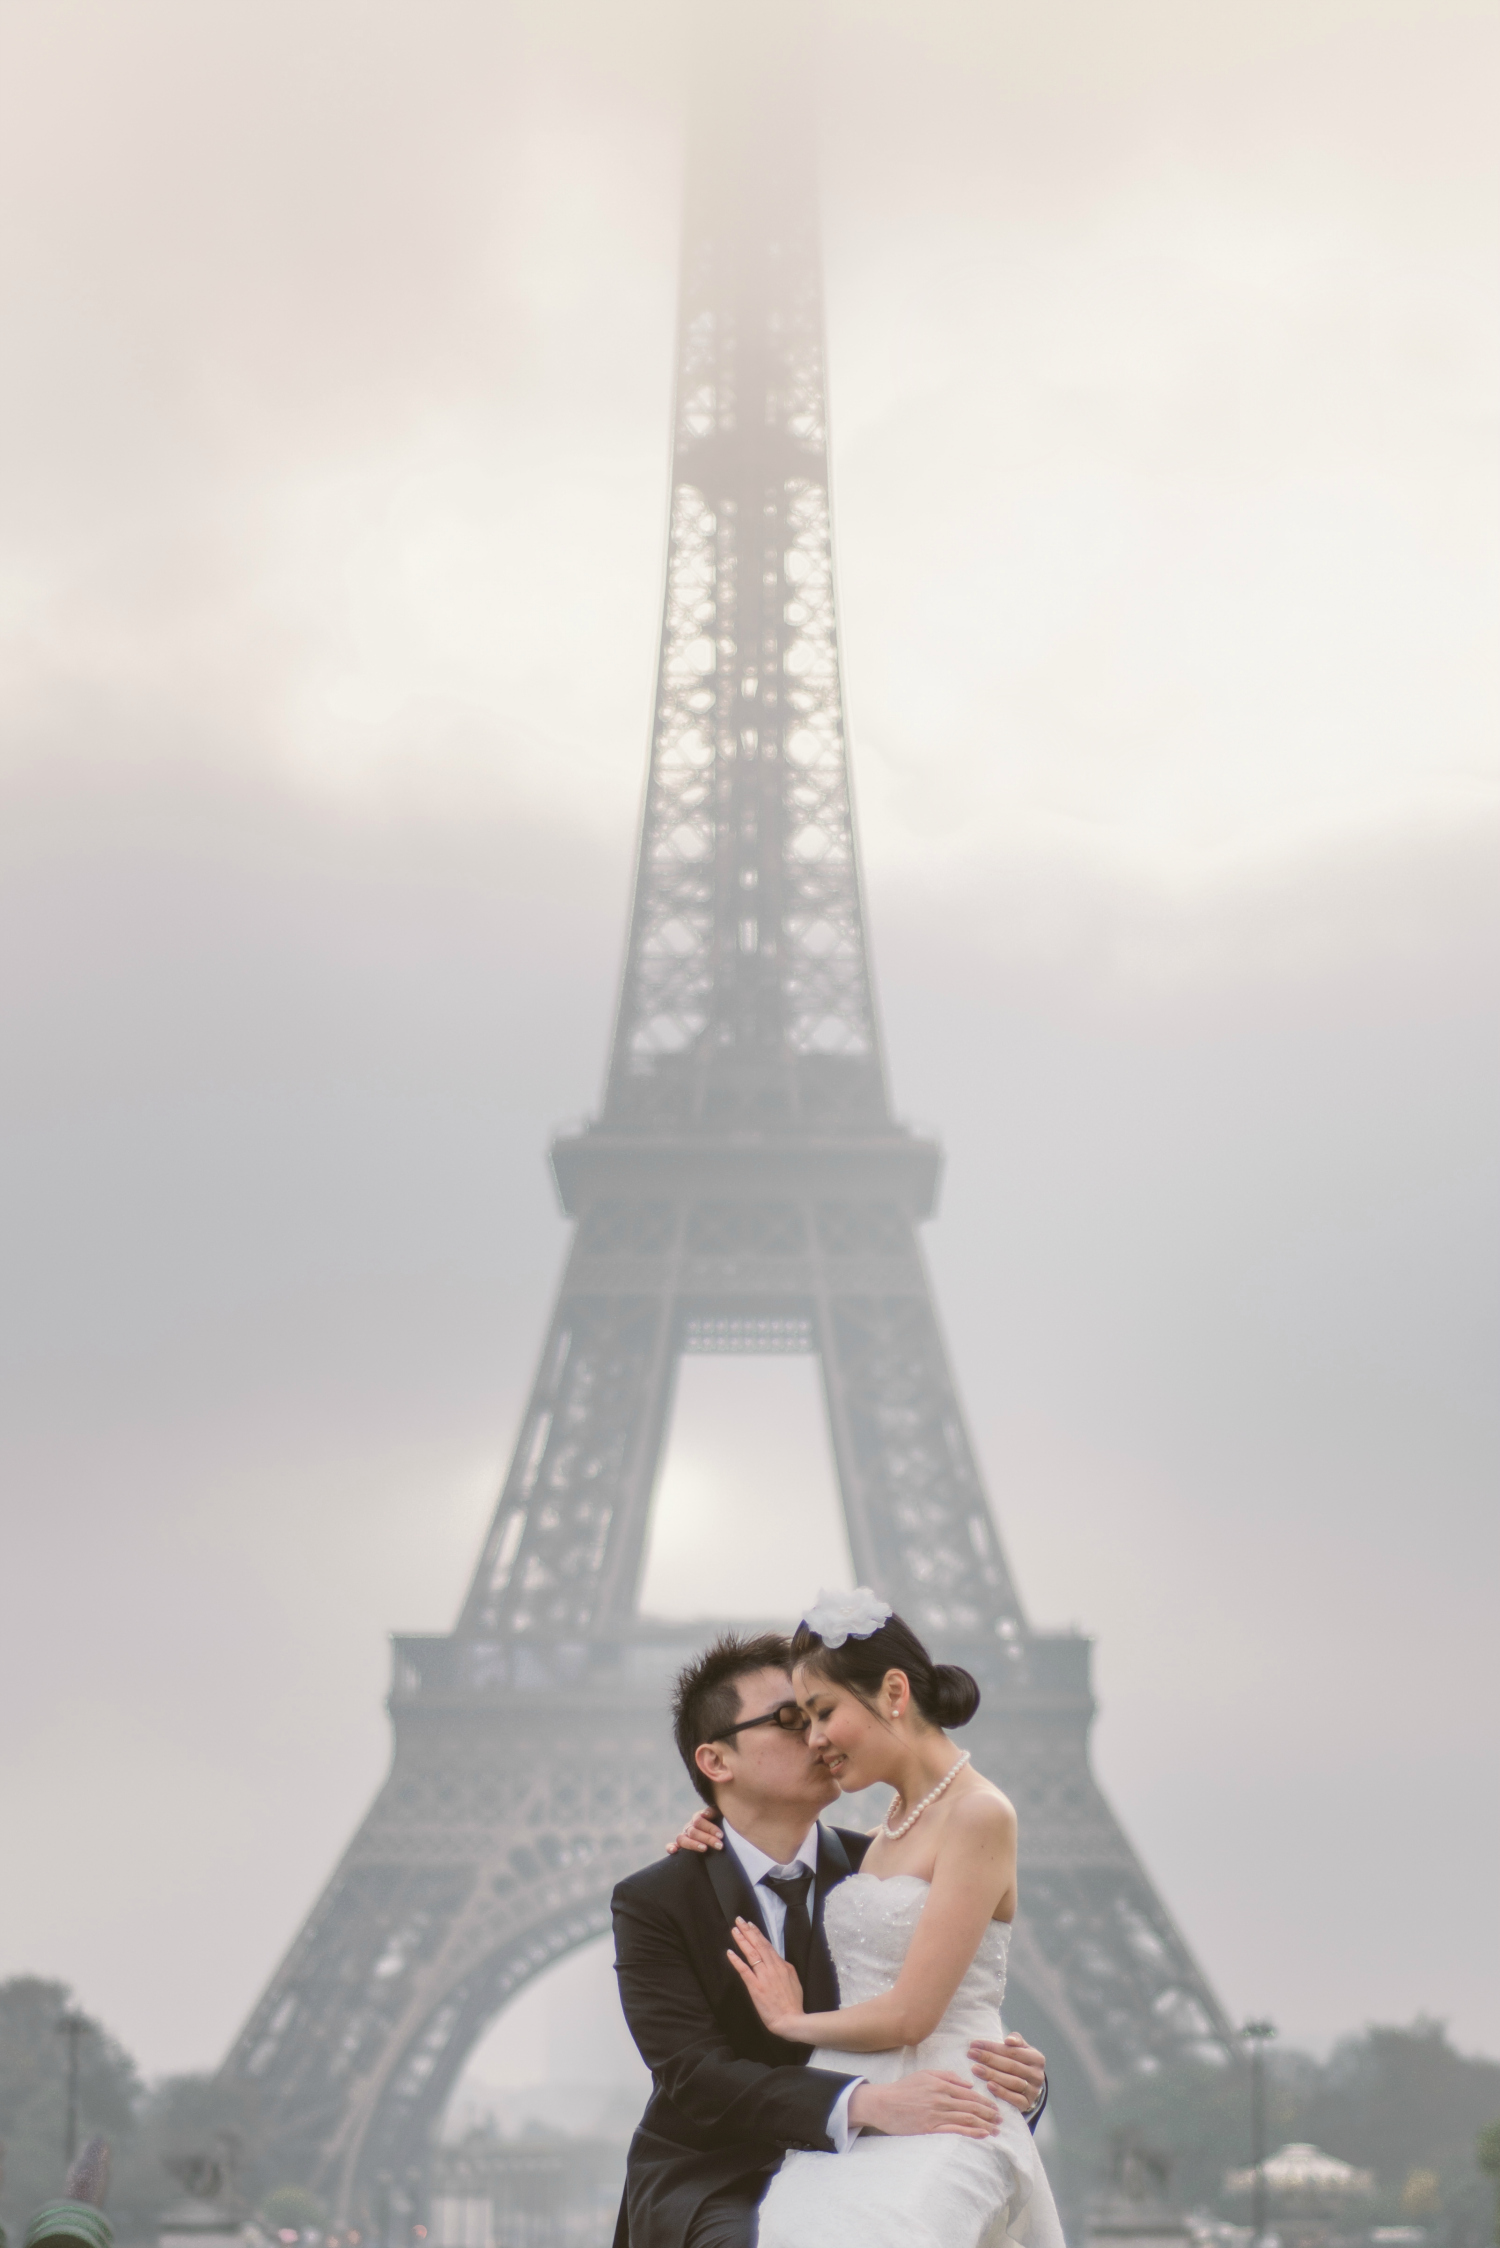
(944, 1694)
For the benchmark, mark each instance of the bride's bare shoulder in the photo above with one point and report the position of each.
(983, 1814)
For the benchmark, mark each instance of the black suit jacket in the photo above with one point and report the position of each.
(727, 2097)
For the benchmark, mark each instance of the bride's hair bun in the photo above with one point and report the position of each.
(944, 1694)
(954, 1693)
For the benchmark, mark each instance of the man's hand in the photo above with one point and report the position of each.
(932, 2100)
(1015, 2071)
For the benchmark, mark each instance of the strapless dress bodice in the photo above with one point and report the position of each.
(935, 2190)
(869, 1923)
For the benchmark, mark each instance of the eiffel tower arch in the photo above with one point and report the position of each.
(746, 1187)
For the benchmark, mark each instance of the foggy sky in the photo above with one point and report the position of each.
(334, 403)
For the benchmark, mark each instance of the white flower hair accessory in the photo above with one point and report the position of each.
(837, 1616)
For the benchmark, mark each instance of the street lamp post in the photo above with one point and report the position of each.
(1257, 2036)
(72, 2027)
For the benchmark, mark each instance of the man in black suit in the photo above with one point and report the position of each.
(728, 2099)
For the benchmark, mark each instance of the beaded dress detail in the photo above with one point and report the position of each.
(939, 2191)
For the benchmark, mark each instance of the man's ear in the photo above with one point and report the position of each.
(711, 1762)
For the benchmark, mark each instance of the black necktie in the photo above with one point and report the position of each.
(796, 1938)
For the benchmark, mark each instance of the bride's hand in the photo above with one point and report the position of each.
(702, 1832)
(772, 1984)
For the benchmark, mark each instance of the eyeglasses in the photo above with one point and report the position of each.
(786, 1715)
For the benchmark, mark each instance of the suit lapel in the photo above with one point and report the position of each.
(822, 1993)
(737, 1900)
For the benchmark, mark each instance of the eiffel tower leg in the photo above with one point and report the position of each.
(919, 1525)
(510, 1812)
(533, 1766)
(1101, 1977)
(1099, 1972)
(564, 1550)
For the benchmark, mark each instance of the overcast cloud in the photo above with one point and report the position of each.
(333, 412)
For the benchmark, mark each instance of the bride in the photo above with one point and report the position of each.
(919, 1937)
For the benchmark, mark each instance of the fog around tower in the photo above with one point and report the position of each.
(335, 407)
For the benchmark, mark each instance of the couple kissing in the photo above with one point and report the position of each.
(820, 2009)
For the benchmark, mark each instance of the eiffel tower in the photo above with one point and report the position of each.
(745, 1188)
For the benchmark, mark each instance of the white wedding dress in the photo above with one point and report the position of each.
(938, 2191)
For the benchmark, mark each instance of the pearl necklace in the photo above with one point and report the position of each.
(894, 1833)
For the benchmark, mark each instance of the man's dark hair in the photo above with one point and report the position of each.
(706, 1698)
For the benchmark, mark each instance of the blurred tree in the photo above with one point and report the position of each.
(182, 2115)
(1401, 2102)
(1489, 2162)
(180, 2118)
(33, 2093)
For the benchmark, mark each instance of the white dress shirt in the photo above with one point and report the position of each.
(755, 1865)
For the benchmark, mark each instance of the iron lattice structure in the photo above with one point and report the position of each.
(746, 1187)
